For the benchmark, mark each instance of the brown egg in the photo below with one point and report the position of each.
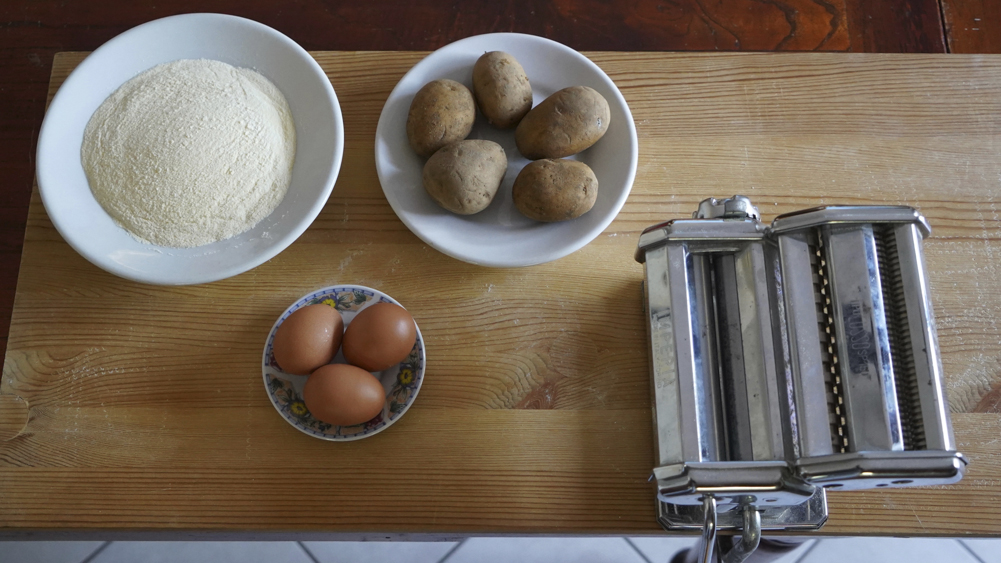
(380, 337)
(343, 395)
(308, 338)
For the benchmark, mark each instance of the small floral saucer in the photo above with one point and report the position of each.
(401, 382)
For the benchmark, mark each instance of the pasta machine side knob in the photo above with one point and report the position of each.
(736, 207)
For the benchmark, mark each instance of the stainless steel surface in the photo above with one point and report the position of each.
(703, 235)
(750, 537)
(731, 482)
(808, 369)
(707, 542)
(664, 360)
(736, 207)
(850, 214)
(863, 344)
(867, 470)
(790, 359)
(936, 424)
(759, 355)
(775, 517)
(739, 428)
(708, 406)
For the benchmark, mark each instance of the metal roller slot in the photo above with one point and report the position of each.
(828, 343)
(898, 328)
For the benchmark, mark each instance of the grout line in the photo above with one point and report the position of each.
(637, 550)
(808, 550)
(973, 553)
(96, 552)
(451, 551)
(309, 553)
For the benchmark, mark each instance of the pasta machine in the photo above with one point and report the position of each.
(788, 360)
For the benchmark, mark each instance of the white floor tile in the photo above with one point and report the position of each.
(889, 550)
(46, 551)
(545, 550)
(197, 552)
(662, 549)
(796, 554)
(987, 550)
(370, 552)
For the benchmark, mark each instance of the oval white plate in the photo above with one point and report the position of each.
(500, 236)
(401, 382)
(85, 225)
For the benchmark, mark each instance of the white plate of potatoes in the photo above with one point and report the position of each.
(499, 235)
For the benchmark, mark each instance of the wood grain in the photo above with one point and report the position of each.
(425, 25)
(972, 26)
(33, 31)
(147, 413)
(895, 26)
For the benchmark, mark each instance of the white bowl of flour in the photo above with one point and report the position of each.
(97, 236)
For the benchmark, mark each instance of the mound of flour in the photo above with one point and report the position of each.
(190, 152)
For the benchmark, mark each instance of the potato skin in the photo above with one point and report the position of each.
(555, 190)
(501, 89)
(464, 176)
(564, 124)
(442, 112)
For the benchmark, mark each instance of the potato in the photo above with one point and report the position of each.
(464, 176)
(564, 124)
(443, 112)
(555, 190)
(501, 89)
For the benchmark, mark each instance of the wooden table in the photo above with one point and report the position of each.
(33, 31)
(131, 409)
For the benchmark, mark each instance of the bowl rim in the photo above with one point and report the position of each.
(43, 167)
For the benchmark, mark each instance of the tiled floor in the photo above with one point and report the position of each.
(488, 550)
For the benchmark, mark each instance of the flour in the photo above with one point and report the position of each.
(190, 152)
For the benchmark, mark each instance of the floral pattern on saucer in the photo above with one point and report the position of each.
(401, 382)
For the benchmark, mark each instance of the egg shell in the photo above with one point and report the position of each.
(308, 339)
(343, 395)
(379, 337)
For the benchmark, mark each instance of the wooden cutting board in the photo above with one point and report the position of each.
(129, 408)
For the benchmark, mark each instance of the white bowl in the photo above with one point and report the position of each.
(85, 225)
(500, 236)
